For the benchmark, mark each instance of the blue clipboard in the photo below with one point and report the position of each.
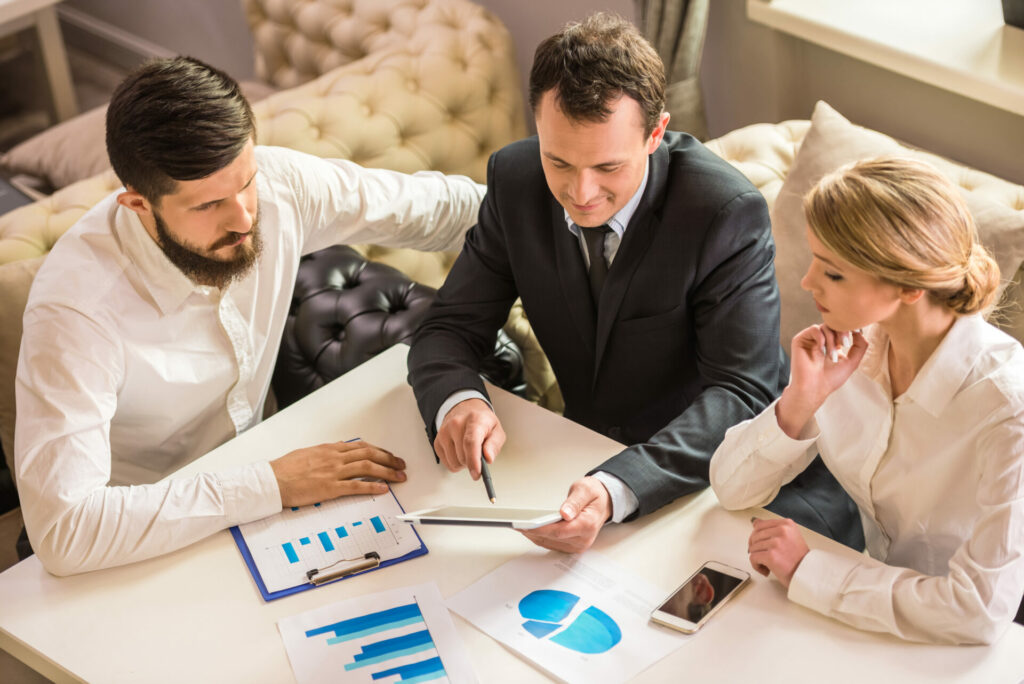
(270, 596)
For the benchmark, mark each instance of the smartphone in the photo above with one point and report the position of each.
(690, 606)
(516, 518)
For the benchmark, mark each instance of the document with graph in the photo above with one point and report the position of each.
(401, 635)
(302, 547)
(582, 618)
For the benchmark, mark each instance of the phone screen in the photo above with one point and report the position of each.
(705, 590)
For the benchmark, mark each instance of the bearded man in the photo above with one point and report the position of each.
(152, 328)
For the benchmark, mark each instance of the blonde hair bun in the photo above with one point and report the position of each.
(904, 222)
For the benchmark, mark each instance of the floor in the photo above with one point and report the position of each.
(22, 115)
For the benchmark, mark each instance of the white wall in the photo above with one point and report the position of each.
(753, 74)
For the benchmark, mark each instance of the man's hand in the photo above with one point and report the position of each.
(324, 472)
(585, 511)
(469, 430)
(776, 546)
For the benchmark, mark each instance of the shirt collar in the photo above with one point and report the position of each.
(164, 281)
(945, 371)
(621, 218)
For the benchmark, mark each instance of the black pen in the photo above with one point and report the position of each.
(485, 474)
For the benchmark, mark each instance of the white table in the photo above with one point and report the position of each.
(195, 615)
(17, 15)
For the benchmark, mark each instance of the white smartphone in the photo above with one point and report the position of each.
(690, 606)
(516, 518)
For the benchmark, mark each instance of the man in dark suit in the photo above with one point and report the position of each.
(645, 266)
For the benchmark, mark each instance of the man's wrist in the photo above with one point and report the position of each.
(621, 499)
(453, 400)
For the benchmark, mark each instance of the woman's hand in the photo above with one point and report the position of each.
(776, 546)
(821, 361)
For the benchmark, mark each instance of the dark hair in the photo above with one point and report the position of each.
(593, 62)
(172, 120)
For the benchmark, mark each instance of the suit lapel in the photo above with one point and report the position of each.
(635, 243)
(573, 276)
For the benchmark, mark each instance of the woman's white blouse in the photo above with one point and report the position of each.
(938, 476)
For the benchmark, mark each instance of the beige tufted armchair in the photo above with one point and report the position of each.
(402, 84)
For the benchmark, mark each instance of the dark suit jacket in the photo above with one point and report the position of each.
(685, 340)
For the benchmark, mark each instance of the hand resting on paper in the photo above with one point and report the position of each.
(327, 471)
(585, 511)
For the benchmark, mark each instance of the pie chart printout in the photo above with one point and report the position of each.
(546, 610)
(583, 619)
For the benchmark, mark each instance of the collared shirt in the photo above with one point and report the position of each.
(938, 476)
(624, 501)
(128, 370)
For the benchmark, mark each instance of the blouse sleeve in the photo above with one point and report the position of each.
(974, 603)
(756, 459)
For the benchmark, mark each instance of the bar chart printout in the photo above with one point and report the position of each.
(403, 635)
(286, 545)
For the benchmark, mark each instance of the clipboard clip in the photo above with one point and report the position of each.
(368, 562)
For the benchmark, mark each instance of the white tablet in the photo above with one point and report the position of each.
(517, 518)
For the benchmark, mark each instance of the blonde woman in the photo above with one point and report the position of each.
(916, 405)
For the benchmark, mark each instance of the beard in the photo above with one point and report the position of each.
(202, 269)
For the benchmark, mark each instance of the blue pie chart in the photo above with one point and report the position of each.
(593, 630)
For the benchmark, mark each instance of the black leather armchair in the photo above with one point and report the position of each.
(346, 309)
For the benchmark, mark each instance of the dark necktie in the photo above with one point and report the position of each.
(598, 267)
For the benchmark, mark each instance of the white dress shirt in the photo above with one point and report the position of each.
(128, 370)
(624, 501)
(938, 476)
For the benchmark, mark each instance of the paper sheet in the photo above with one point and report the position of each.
(284, 546)
(582, 618)
(401, 635)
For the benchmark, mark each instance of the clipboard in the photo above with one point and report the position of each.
(321, 574)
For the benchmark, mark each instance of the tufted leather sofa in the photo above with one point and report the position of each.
(345, 310)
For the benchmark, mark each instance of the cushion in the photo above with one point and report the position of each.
(76, 149)
(65, 153)
(833, 141)
(15, 281)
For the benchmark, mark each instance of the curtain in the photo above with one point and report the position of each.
(677, 28)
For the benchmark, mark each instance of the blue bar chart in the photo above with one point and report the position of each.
(400, 636)
(324, 537)
(285, 546)
(386, 657)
